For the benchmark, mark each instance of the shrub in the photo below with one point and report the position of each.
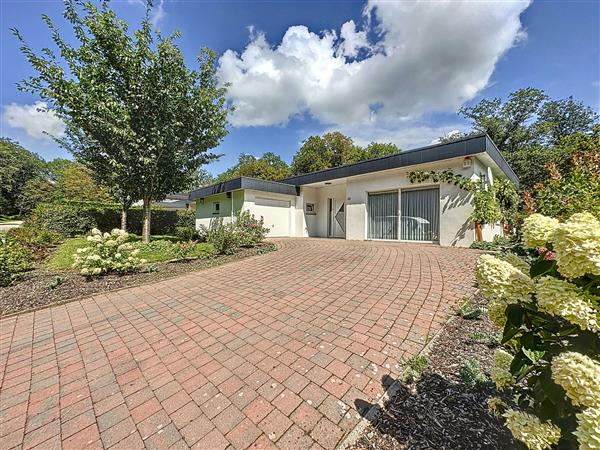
(14, 260)
(414, 368)
(467, 312)
(250, 230)
(470, 373)
(108, 252)
(63, 218)
(35, 237)
(551, 337)
(185, 233)
(222, 236)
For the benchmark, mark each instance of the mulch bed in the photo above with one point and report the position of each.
(439, 411)
(33, 290)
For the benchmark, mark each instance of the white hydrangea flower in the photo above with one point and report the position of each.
(588, 429)
(564, 299)
(496, 311)
(96, 271)
(96, 232)
(135, 252)
(576, 244)
(528, 429)
(500, 373)
(538, 229)
(579, 375)
(85, 271)
(501, 280)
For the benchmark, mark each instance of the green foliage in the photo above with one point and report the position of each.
(550, 314)
(15, 259)
(494, 203)
(531, 130)
(250, 231)
(268, 167)
(72, 218)
(414, 368)
(499, 243)
(159, 250)
(107, 252)
(18, 167)
(54, 282)
(66, 219)
(74, 181)
(576, 191)
(380, 149)
(222, 236)
(466, 311)
(134, 113)
(185, 227)
(470, 373)
(62, 258)
(491, 340)
(35, 237)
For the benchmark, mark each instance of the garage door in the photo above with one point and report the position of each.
(276, 214)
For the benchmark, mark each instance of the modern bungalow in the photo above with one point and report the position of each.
(368, 200)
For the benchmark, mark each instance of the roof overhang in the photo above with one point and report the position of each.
(245, 183)
(470, 146)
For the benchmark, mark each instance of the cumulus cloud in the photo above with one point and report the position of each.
(427, 57)
(37, 120)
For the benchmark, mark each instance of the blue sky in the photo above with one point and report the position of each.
(393, 71)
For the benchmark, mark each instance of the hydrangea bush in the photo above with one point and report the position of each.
(107, 252)
(550, 313)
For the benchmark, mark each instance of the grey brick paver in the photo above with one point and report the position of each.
(271, 350)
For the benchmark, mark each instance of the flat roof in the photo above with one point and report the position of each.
(467, 146)
(471, 145)
(244, 183)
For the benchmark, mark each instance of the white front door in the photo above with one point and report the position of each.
(336, 223)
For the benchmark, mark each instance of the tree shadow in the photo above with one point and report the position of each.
(433, 413)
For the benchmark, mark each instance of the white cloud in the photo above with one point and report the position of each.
(158, 14)
(37, 120)
(429, 56)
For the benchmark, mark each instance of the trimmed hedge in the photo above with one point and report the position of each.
(76, 218)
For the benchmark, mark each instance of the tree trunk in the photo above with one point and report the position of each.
(146, 225)
(123, 218)
(478, 232)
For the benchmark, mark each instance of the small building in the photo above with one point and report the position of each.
(371, 199)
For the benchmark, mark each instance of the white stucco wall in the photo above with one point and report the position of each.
(278, 218)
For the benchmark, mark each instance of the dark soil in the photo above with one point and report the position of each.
(34, 289)
(439, 411)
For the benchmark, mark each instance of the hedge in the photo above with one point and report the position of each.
(75, 218)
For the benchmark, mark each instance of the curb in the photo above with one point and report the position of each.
(376, 409)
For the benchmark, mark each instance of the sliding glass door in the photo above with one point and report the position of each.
(420, 215)
(383, 215)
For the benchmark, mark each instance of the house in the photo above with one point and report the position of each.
(372, 199)
(173, 201)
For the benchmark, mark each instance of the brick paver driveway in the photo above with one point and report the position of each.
(268, 351)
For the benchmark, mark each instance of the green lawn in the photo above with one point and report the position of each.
(161, 248)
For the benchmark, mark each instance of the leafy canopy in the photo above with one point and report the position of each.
(134, 113)
(268, 167)
(333, 150)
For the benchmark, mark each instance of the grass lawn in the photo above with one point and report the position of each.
(161, 248)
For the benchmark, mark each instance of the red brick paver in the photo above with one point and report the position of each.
(276, 350)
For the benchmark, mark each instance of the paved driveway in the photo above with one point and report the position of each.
(272, 350)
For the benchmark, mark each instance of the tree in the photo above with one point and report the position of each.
(202, 178)
(331, 150)
(379, 149)
(17, 167)
(268, 167)
(35, 191)
(531, 130)
(74, 181)
(134, 113)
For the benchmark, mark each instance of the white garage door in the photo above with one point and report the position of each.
(276, 214)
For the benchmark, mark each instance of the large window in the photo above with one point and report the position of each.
(383, 215)
(420, 215)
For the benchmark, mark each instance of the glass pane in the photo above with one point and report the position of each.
(419, 215)
(383, 216)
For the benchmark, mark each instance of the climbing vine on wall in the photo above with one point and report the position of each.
(498, 202)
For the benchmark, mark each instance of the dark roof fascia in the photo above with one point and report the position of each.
(244, 183)
(468, 146)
